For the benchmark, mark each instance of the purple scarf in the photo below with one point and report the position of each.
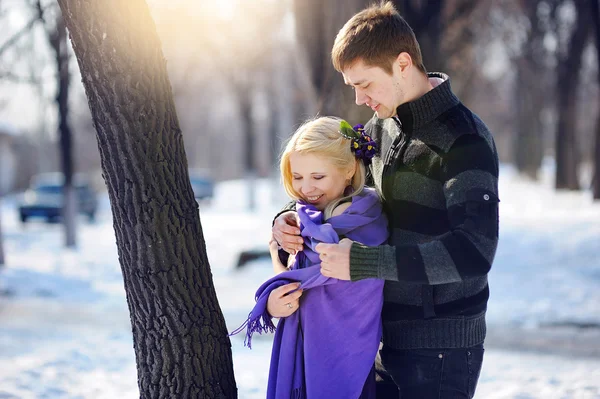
(327, 348)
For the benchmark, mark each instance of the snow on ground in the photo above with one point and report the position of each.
(64, 324)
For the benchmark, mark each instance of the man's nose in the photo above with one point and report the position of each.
(361, 97)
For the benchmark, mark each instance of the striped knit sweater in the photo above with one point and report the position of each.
(438, 176)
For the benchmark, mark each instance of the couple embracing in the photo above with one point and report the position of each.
(382, 257)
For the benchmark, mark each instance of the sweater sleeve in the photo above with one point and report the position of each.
(290, 206)
(467, 249)
(283, 255)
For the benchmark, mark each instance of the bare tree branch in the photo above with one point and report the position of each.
(27, 27)
(14, 38)
(15, 78)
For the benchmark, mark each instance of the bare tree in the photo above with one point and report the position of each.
(57, 38)
(56, 34)
(531, 97)
(244, 61)
(180, 340)
(425, 18)
(569, 66)
(446, 30)
(317, 24)
(1, 239)
(595, 13)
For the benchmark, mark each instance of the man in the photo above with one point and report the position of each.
(437, 174)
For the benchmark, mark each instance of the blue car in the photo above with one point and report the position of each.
(202, 185)
(45, 198)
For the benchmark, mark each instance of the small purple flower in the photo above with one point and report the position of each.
(359, 128)
(364, 147)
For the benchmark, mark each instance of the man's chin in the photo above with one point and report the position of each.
(382, 114)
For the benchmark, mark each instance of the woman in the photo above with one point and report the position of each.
(329, 330)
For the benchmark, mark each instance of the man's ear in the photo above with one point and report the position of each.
(404, 61)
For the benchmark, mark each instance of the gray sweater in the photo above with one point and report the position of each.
(437, 174)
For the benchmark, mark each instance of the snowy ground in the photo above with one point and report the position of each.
(65, 332)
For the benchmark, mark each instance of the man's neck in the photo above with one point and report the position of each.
(422, 86)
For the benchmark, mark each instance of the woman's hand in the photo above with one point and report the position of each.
(282, 301)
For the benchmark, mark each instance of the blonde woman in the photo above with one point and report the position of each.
(329, 330)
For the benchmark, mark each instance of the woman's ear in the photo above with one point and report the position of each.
(351, 172)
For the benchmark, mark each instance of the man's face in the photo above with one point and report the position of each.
(380, 91)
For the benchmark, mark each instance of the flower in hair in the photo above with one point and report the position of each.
(363, 146)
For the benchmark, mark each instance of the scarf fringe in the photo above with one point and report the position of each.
(261, 324)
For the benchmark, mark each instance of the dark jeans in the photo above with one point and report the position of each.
(429, 373)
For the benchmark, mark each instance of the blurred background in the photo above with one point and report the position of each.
(244, 75)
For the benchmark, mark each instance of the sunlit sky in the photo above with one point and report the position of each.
(22, 108)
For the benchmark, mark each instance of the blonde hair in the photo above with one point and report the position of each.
(376, 35)
(321, 136)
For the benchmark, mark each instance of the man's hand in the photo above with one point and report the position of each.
(281, 303)
(335, 259)
(287, 233)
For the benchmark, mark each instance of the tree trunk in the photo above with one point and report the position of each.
(567, 159)
(595, 8)
(58, 42)
(244, 97)
(530, 100)
(179, 334)
(425, 18)
(528, 140)
(2, 260)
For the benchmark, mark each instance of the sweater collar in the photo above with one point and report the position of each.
(417, 113)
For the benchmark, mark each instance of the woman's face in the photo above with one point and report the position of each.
(317, 180)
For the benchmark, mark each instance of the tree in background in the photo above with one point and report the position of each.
(531, 92)
(235, 90)
(446, 31)
(317, 24)
(57, 37)
(444, 28)
(55, 32)
(2, 261)
(180, 340)
(571, 46)
(242, 66)
(595, 13)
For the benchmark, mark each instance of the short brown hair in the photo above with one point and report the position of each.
(376, 35)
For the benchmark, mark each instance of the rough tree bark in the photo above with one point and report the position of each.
(569, 66)
(179, 334)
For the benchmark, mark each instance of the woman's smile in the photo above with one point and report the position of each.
(314, 198)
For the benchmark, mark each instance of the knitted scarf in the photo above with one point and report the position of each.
(327, 348)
